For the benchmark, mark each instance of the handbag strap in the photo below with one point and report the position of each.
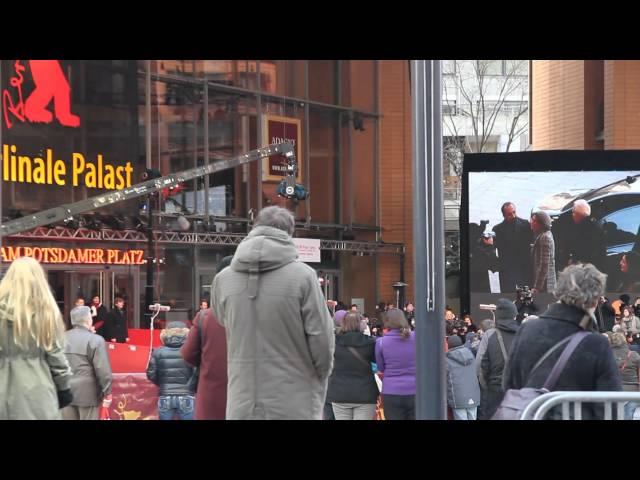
(502, 347)
(357, 354)
(576, 338)
(546, 355)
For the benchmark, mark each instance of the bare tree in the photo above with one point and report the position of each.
(482, 98)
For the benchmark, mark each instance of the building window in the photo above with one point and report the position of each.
(448, 67)
(518, 68)
(512, 108)
(450, 107)
(490, 67)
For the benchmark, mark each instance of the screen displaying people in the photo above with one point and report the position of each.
(526, 227)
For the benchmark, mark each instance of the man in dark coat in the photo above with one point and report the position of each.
(605, 315)
(591, 367)
(494, 359)
(579, 238)
(513, 241)
(115, 328)
(99, 315)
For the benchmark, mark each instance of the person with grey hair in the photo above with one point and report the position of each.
(89, 361)
(540, 341)
(579, 238)
(543, 254)
(280, 340)
(276, 217)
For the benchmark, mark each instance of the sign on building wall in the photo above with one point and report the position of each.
(75, 255)
(308, 249)
(61, 130)
(276, 130)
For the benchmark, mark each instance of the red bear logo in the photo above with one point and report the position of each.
(50, 84)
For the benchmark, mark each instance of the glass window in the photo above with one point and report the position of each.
(176, 280)
(449, 107)
(363, 181)
(489, 67)
(323, 131)
(517, 67)
(622, 227)
(322, 81)
(237, 73)
(283, 77)
(448, 67)
(232, 124)
(358, 84)
(176, 135)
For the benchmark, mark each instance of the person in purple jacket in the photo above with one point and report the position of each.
(396, 359)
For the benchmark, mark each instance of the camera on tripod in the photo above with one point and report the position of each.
(524, 303)
(524, 295)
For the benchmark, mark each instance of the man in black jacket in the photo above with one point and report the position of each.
(605, 315)
(99, 315)
(592, 366)
(115, 328)
(494, 359)
(513, 241)
(173, 375)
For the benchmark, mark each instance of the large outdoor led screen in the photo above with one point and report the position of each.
(588, 215)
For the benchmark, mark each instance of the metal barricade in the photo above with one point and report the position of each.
(540, 407)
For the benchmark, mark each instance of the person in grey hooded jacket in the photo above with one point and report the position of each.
(280, 340)
(463, 390)
(89, 361)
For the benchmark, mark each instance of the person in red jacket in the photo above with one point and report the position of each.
(206, 348)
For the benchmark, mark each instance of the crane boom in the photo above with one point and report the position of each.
(68, 211)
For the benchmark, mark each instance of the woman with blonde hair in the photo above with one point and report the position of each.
(34, 372)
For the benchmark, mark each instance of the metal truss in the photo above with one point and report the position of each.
(362, 247)
(189, 238)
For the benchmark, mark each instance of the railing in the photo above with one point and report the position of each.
(540, 407)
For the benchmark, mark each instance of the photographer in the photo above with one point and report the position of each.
(524, 303)
(605, 315)
(483, 257)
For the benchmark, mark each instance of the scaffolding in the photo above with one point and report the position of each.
(192, 238)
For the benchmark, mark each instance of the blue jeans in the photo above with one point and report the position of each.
(170, 406)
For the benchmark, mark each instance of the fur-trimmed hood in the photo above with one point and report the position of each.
(174, 337)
